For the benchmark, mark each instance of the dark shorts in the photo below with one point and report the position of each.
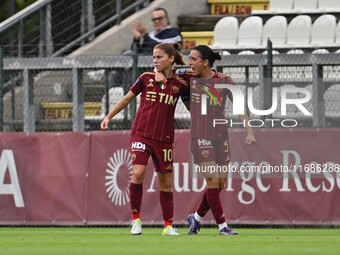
(206, 150)
(141, 148)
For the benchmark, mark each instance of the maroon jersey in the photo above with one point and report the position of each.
(155, 115)
(202, 125)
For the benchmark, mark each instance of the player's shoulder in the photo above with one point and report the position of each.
(226, 77)
(179, 76)
(183, 72)
(144, 77)
(147, 75)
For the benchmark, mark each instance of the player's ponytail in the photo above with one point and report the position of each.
(172, 50)
(178, 56)
(207, 53)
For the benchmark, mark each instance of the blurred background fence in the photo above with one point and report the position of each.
(58, 27)
(75, 93)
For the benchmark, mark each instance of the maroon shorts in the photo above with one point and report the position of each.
(141, 148)
(206, 150)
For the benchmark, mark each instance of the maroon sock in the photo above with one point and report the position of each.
(136, 193)
(214, 201)
(204, 207)
(167, 204)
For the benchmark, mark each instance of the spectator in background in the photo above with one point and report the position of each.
(163, 32)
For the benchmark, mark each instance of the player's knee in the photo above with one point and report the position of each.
(212, 182)
(137, 176)
(165, 185)
(165, 188)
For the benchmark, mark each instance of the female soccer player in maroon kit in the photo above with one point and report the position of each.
(209, 145)
(153, 130)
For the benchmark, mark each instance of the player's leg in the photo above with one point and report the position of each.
(136, 189)
(136, 193)
(222, 160)
(140, 153)
(163, 161)
(204, 154)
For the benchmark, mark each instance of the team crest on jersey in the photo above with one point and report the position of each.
(133, 156)
(180, 71)
(205, 153)
(175, 89)
(194, 84)
(150, 83)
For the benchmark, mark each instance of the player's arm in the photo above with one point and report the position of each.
(250, 139)
(117, 108)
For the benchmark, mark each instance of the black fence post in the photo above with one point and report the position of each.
(268, 83)
(133, 103)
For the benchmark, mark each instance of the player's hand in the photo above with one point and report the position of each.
(160, 78)
(250, 139)
(105, 124)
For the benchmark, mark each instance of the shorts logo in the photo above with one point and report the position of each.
(175, 89)
(169, 167)
(138, 146)
(205, 153)
(203, 142)
(133, 156)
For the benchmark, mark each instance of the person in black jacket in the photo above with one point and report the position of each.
(163, 32)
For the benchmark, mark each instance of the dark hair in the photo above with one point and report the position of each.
(165, 11)
(207, 53)
(172, 49)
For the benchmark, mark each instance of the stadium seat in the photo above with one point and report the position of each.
(295, 51)
(250, 32)
(305, 5)
(115, 94)
(337, 33)
(276, 30)
(274, 52)
(331, 97)
(320, 51)
(246, 52)
(276, 6)
(226, 53)
(280, 6)
(299, 31)
(329, 5)
(225, 33)
(323, 30)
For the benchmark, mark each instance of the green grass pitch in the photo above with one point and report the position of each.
(71, 240)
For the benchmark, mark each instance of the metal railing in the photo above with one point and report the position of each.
(55, 28)
(84, 85)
